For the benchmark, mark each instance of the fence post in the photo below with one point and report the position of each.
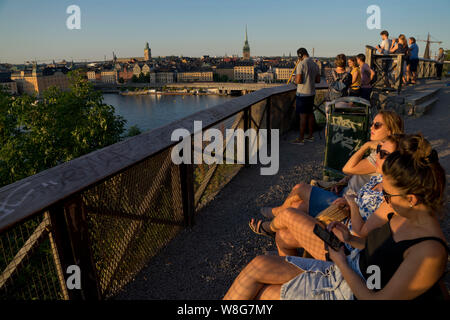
(70, 231)
(187, 190)
(246, 127)
(268, 122)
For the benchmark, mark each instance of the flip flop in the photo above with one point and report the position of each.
(267, 212)
(259, 229)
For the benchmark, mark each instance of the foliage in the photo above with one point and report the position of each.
(133, 131)
(37, 134)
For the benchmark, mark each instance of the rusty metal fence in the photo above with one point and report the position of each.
(111, 211)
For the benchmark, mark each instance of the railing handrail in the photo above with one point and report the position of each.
(34, 194)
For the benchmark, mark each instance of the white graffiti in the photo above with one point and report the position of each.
(341, 124)
(7, 208)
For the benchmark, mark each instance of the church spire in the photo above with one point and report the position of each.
(246, 49)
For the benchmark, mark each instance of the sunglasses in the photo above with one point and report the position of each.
(388, 196)
(377, 125)
(383, 153)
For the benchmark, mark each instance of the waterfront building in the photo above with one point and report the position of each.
(246, 49)
(283, 72)
(163, 77)
(141, 67)
(109, 76)
(36, 81)
(93, 75)
(125, 73)
(225, 70)
(244, 72)
(195, 75)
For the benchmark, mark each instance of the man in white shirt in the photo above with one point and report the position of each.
(384, 49)
(386, 43)
(307, 75)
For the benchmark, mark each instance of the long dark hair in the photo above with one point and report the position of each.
(415, 169)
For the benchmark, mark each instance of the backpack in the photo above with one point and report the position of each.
(339, 86)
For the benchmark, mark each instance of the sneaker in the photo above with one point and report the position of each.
(298, 141)
(310, 139)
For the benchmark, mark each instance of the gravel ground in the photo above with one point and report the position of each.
(202, 262)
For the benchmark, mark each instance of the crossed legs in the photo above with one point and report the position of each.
(263, 277)
(297, 198)
(294, 229)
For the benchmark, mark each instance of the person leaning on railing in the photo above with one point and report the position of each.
(409, 251)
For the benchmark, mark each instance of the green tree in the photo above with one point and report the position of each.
(37, 134)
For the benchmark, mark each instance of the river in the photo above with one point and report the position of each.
(153, 111)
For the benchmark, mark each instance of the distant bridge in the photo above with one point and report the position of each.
(222, 87)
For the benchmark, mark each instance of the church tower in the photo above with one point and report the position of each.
(246, 50)
(147, 52)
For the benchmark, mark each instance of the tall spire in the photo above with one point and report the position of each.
(246, 37)
(246, 49)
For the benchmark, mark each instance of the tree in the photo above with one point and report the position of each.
(37, 134)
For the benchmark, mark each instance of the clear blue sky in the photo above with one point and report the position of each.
(37, 29)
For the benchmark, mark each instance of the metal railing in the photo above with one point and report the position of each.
(109, 212)
(390, 69)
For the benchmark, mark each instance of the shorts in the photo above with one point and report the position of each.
(413, 63)
(321, 280)
(320, 199)
(304, 105)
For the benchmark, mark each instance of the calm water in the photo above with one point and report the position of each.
(152, 111)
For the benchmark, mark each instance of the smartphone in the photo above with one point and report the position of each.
(328, 237)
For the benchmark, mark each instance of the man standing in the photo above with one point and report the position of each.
(413, 59)
(440, 63)
(306, 77)
(367, 75)
(384, 49)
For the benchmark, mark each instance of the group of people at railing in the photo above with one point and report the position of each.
(391, 202)
(410, 50)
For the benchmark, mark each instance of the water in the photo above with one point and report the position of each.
(153, 111)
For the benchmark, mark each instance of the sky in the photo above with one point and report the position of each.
(36, 29)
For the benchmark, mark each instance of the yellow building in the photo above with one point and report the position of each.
(244, 73)
(36, 82)
(109, 76)
(193, 76)
(283, 73)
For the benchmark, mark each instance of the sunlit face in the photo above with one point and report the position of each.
(379, 130)
(385, 149)
(396, 198)
(351, 64)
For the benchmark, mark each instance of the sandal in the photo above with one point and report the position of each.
(267, 212)
(259, 229)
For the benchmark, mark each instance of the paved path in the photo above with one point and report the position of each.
(202, 262)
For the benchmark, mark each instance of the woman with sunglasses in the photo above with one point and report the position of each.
(409, 250)
(293, 228)
(313, 200)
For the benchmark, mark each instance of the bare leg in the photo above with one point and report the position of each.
(311, 121)
(303, 123)
(269, 292)
(300, 193)
(295, 230)
(261, 271)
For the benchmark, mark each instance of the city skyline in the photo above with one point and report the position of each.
(203, 27)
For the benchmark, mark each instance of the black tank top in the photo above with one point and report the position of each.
(381, 250)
